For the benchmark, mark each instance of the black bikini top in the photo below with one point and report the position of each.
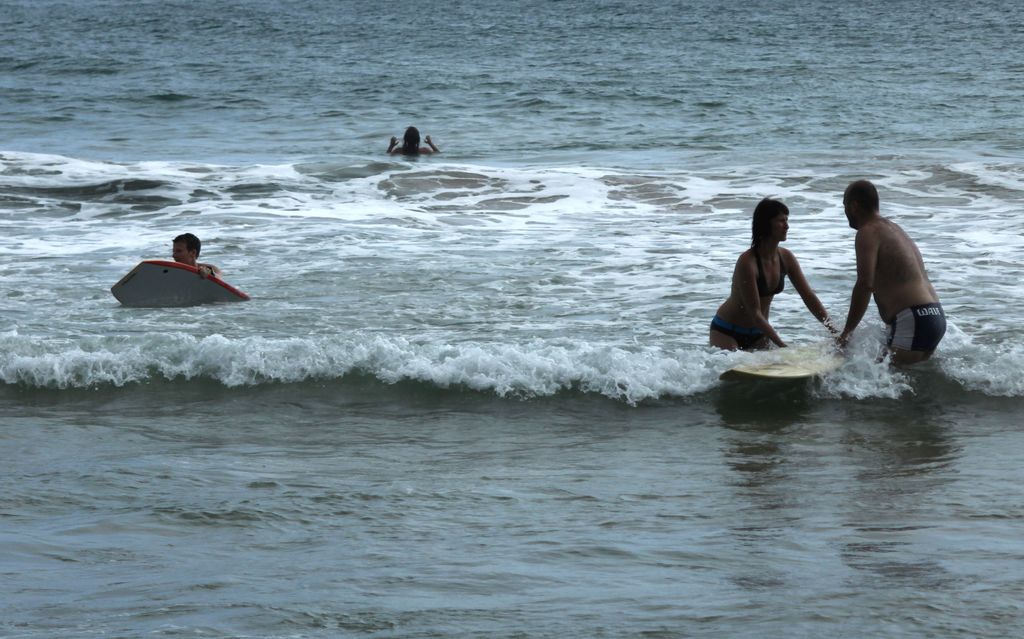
(762, 284)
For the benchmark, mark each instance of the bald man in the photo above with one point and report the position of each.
(890, 268)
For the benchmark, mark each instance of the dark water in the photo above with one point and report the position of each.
(360, 510)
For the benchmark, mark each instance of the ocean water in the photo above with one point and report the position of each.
(472, 394)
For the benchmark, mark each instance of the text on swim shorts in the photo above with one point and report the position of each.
(928, 310)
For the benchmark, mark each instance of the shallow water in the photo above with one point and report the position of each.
(362, 509)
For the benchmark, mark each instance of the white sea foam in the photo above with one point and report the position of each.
(865, 376)
(1007, 175)
(527, 369)
(993, 369)
(510, 279)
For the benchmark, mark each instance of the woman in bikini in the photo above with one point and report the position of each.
(760, 274)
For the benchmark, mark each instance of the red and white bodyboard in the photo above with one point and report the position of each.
(166, 283)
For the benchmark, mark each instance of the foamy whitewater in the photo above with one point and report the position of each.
(472, 395)
(519, 281)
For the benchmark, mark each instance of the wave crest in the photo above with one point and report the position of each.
(529, 369)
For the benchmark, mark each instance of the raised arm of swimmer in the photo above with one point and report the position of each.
(411, 144)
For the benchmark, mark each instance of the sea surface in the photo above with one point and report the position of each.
(472, 395)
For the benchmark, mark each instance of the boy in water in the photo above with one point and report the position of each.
(185, 250)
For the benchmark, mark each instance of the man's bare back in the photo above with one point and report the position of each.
(899, 279)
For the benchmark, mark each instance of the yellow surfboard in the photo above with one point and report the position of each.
(795, 362)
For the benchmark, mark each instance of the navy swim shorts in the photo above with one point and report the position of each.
(918, 328)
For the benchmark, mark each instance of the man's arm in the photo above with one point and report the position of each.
(866, 245)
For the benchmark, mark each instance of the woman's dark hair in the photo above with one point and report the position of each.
(411, 141)
(765, 211)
